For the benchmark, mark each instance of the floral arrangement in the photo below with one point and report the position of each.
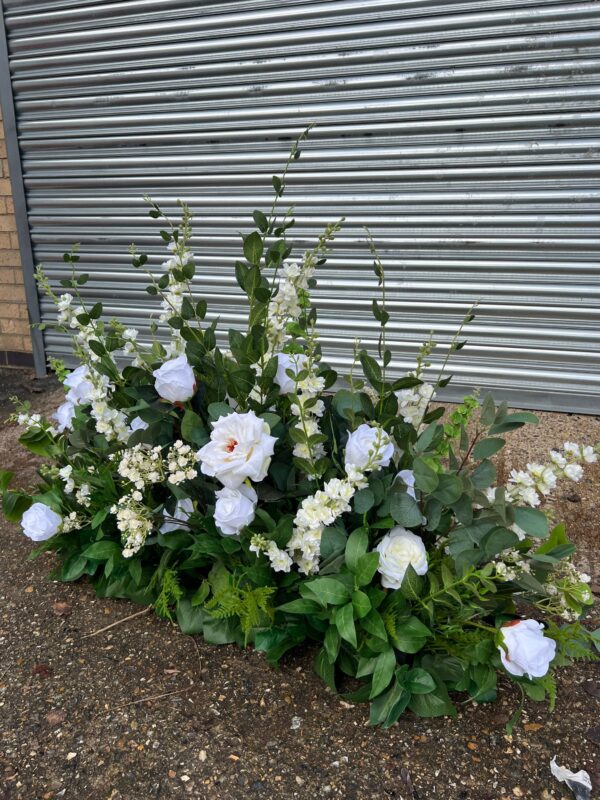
(244, 489)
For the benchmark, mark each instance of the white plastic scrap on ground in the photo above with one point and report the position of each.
(578, 782)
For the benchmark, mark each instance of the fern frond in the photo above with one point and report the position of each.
(170, 594)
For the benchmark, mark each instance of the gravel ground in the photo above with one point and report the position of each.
(142, 711)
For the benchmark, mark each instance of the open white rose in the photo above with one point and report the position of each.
(397, 550)
(175, 380)
(528, 651)
(39, 522)
(295, 362)
(183, 509)
(235, 508)
(64, 416)
(240, 447)
(368, 448)
(81, 388)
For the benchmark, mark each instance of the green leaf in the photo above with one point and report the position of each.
(373, 624)
(5, 479)
(487, 447)
(216, 410)
(73, 568)
(325, 669)
(532, 521)
(344, 622)
(426, 479)
(405, 510)
(361, 603)
(412, 584)
(449, 488)
(366, 568)
(102, 550)
(193, 429)
(385, 664)
(201, 594)
(262, 222)
(190, 618)
(356, 547)
(14, 505)
(419, 681)
(331, 643)
(433, 704)
(371, 369)
(329, 591)
(300, 606)
(483, 475)
(386, 708)
(411, 635)
(253, 247)
(364, 500)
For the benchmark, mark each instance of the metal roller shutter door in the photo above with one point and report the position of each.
(463, 133)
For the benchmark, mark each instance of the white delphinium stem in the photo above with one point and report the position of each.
(134, 521)
(174, 293)
(526, 486)
(321, 509)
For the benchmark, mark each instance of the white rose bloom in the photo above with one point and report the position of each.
(589, 456)
(183, 509)
(574, 472)
(368, 448)
(295, 362)
(397, 550)
(81, 388)
(64, 416)
(528, 651)
(240, 447)
(408, 476)
(234, 509)
(175, 380)
(39, 522)
(137, 424)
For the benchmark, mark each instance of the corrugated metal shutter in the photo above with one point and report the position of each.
(463, 133)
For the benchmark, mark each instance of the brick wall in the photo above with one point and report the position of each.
(15, 338)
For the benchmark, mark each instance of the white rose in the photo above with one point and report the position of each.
(528, 651)
(80, 386)
(64, 416)
(589, 455)
(39, 522)
(397, 550)
(368, 447)
(574, 472)
(175, 380)
(137, 424)
(295, 362)
(408, 476)
(183, 509)
(234, 509)
(240, 447)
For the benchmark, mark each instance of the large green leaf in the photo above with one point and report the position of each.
(329, 591)
(405, 510)
(385, 664)
(411, 636)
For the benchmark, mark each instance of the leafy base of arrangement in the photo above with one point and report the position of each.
(248, 493)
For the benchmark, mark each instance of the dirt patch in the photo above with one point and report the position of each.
(142, 711)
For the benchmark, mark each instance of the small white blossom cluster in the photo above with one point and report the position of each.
(132, 347)
(82, 495)
(510, 564)
(285, 306)
(86, 333)
(526, 486)
(29, 421)
(280, 560)
(309, 409)
(134, 523)
(567, 582)
(181, 462)
(141, 465)
(173, 295)
(368, 448)
(71, 522)
(412, 403)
